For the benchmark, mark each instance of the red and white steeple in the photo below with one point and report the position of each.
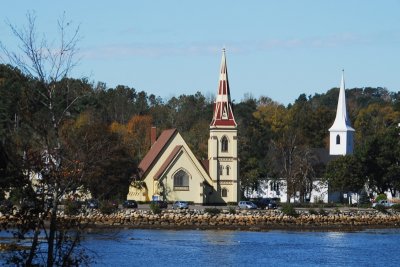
(223, 163)
(223, 114)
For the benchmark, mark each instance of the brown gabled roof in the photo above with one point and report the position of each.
(155, 150)
(167, 162)
(206, 165)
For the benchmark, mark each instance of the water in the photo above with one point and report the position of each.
(237, 248)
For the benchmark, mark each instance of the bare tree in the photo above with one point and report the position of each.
(47, 64)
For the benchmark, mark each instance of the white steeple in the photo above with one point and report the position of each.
(341, 132)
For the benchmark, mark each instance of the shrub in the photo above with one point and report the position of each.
(364, 198)
(336, 211)
(312, 211)
(288, 209)
(396, 207)
(365, 206)
(108, 207)
(381, 208)
(212, 211)
(72, 207)
(322, 212)
(155, 208)
(232, 210)
(380, 197)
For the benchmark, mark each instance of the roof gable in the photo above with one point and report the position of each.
(155, 150)
(167, 162)
(168, 150)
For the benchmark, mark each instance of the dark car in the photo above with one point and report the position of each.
(130, 204)
(160, 203)
(266, 203)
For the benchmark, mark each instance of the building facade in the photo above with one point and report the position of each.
(170, 171)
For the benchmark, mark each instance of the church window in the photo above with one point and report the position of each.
(224, 144)
(338, 139)
(227, 170)
(274, 186)
(224, 192)
(181, 181)
(221, 170)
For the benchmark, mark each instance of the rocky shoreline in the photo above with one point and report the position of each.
(263, 220)
(260, 220)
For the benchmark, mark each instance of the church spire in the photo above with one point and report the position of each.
(223, 114)
(342, 122)
(341, 132)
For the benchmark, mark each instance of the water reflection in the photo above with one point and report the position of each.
(230, 248)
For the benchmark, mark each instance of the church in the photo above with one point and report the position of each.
(341, 143)
(170, 171)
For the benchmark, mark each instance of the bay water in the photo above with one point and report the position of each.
(131, 247)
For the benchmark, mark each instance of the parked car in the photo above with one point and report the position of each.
(383, 202)
(247, 205)
(130, 204)
(180, 205)
(160, 203)
(266, 203)
(92, 204)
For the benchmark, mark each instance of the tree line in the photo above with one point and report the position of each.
(106, 132)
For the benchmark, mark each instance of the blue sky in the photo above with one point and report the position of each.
(278, 49)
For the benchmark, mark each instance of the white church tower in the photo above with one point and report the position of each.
(341, 132)
(222, 144)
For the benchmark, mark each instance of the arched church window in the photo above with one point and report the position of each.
(227, 170)
(221, 170)
(224, 144)
(224, 192)
(181, 181)
(338, 139)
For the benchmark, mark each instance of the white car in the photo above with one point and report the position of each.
(383, 202)
(247, 205)
(180, 205)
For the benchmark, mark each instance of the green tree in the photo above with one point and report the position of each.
(374, 119)
(380, 157)
(253, 144)
(345, 174)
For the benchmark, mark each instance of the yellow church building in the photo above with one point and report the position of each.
(170, 171)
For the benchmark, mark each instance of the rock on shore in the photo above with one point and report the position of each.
(243, 220)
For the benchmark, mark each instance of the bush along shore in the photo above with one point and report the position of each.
(254, 220)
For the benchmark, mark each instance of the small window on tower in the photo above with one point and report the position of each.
(221, 170)
(224, 144)
(224, 192)
(227, 170)
(338, 139)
